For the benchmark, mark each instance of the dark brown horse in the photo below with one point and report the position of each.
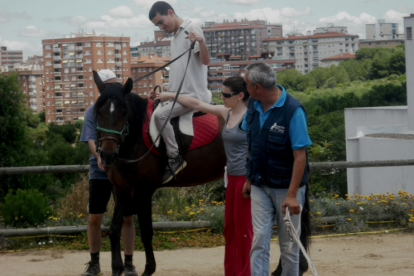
(120, 116)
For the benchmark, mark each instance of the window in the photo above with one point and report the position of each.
(133, 70)
(67, 86)
(150, 85)
(124, 44)
(47, 79)
(67, 110)
(48, 103)
(48, 47)
(47, 71)
(99, 60)
(90, 69)
(87, 53)
(47, 87)
(110, 60)
(91, 94)
(126, 61)
(109, 44)
(145, 85)
(140, 85)
(409, 33)
(110, 52)
(86, 61)
(90, 85)
(98, 44)
(143, 69)
(99, 52)
(124, 53)
(48, 63)
(139, 70)
(87, 44)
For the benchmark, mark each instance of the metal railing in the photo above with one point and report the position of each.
(313, 166)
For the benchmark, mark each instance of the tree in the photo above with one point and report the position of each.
(42, 116)
(381, 64)
(397, 62)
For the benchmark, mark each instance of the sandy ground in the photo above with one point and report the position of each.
(385, 254)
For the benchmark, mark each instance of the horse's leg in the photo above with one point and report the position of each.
(304, 238)
(145, 225)
(115, 235)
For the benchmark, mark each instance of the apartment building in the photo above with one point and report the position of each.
(160, 48)
(8, 58)
(144, 65)
(309, 50)
(331, 28)
(31, 84)
(381, 30)
(218, 71)
(387, 43)
(68, 78)
(243, 38)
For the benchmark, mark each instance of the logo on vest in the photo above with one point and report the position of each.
(278, 129)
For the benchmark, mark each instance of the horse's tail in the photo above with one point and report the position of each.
(305, 231)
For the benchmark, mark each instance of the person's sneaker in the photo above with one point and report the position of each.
(129, 270)
(93, 269)
(176, 165)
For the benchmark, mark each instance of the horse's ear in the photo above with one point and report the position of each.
(98, 82)
(128, 86)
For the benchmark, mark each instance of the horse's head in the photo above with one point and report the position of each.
(111, 111)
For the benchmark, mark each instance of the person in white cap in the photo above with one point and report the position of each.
(100, 189)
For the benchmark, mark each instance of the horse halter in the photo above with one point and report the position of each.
(123, 133)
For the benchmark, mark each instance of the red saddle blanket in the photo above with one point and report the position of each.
(206, 128)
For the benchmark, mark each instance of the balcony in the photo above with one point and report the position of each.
(79, 56)
(118, 55)
(78, 48)
(118, 63)
(118, 47)
(56, 57)
(57, 66)
(32, 79)
(56, 49)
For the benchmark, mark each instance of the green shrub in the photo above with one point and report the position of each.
(26, 207)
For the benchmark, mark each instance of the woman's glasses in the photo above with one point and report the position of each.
(228, 95)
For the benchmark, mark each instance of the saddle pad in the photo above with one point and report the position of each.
(205, 127)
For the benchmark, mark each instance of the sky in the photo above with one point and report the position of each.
(24, 23)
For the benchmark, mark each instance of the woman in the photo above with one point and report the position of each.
(238, 231)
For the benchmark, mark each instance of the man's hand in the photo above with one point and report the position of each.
(153, 94)
(194, 37)
(165, 96)
(293, 204)
(246, 189)
(100, 166)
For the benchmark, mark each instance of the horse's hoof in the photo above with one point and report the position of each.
(149, 270)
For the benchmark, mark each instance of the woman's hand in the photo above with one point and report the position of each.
(165, 96)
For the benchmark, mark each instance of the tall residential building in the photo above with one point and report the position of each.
(9, 57)
(311, 49)
(331, 28)
(239, 39)
(382, 34)
(160, 48)
(142, 66)
(68, 77)
(382, 30)
(335, 60)
(218, 71)
(31, 83)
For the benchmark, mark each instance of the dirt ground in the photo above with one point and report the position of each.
(384, 254)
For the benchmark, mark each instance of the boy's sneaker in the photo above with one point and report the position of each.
(93, 269)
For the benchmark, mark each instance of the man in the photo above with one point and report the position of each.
(195, 82)
(100, 189)
(277, 170)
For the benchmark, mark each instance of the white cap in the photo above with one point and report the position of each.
(106, 74)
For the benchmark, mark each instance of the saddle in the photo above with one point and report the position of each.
(192, 130)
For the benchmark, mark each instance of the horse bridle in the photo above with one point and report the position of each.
(123, 133)
(126, 125)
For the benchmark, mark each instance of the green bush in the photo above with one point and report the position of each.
(25, 208)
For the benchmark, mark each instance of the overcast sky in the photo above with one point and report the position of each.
(24, 23)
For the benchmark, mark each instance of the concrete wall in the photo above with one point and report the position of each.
(382, 179)
(364, 121)
(409, 63)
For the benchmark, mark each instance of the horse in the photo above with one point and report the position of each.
(135, 182)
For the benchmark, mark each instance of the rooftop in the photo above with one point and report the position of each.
(155, 43)
(343, 56)
(328, 34)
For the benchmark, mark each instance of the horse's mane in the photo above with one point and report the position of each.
(138, 105)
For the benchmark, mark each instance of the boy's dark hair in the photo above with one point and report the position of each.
(236, 86)
(161, 8)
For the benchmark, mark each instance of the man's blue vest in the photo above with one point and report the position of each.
(270, 158)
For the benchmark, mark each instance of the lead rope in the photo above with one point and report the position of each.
(293, 235)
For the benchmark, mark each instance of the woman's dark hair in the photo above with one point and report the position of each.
(236, 86)
(161, 8)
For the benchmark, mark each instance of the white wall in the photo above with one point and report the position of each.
(409, 66)
(364, 121)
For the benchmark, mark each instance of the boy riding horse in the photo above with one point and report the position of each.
(194, 83)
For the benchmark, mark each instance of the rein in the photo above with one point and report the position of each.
(126, 126)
